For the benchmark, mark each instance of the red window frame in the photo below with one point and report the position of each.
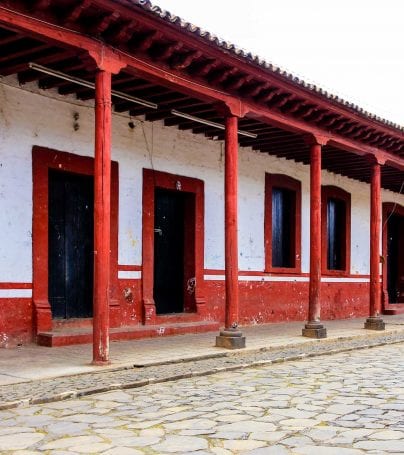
(333, 192)
(288, 183)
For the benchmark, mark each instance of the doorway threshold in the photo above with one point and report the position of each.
(82, 335)
(394, 308)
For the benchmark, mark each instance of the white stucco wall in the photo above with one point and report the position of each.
(30, 117)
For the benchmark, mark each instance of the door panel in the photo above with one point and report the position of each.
(401, 260)
(395, 258)
(70, 244)
(169, 223)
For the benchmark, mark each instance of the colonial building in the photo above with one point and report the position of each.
(156, 180)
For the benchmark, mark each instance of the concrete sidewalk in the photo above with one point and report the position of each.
(32, 362)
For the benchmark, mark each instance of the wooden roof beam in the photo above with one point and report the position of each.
(48, 82)
(253, 89)
(105, 22)
(143, 41)
(23, 66)
(139, 67)
(267, 95)
(40, 5)
(329, 121)
(281, 100)
(294, 106)
(221, 74)
(76, 11)
(165, 109)
(67, 58)
(348, 128)
(84, 93)
(163, 52)
(341, 125)
(395, 147)
(183, 60)
(316, 115)
(6, 40)
(203, 68)
(24, 52)
(269, 139)
(236, 82)
(280, 143)
(122, 33)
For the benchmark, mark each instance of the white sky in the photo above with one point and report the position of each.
(352, 48)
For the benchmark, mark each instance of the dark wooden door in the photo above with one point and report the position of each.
(70, 224)
(395, 259)
(401, 260)
(169, 212)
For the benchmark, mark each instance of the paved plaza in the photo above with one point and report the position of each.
(346, 403)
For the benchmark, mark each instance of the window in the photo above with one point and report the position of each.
(282, 224)
(336, 229)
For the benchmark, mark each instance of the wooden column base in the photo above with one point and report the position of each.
(374, 324)
(314, 330)
(230, 339)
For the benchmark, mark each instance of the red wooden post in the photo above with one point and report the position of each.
(102, 212)
(231, 235)
(374, 321)
(314, 328)
(231, 337)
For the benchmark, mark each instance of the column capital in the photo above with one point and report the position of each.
(106, 60)
(316, 139)
(232, 108)
(375, 159)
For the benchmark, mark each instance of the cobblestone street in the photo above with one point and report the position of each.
(347, 403)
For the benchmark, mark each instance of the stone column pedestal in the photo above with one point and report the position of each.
(374, 323)
(230, 339)
(314, 330)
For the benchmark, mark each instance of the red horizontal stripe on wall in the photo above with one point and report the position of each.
(130, 268)
(15, 285)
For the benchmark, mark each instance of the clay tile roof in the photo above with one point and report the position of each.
(147, 5)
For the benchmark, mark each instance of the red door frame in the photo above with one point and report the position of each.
(388, 208)
(44, 159)
(155, 179)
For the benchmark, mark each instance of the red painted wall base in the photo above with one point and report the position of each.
(16, 322)
(265, 302)
(260, 302)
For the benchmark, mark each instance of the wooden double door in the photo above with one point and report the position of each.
(71, 240)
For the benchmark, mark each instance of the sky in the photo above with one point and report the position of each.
(352, 48)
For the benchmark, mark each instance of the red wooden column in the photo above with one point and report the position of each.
(102, 204)
(374, 321)
(231, 337)
(313, 327)
(102, 215)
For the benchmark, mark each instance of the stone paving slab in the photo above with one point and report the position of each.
(73, 386)
(33, 362)
(348, 403)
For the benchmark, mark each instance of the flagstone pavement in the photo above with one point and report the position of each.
(342, 404)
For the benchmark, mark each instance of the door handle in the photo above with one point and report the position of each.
(158, 231)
